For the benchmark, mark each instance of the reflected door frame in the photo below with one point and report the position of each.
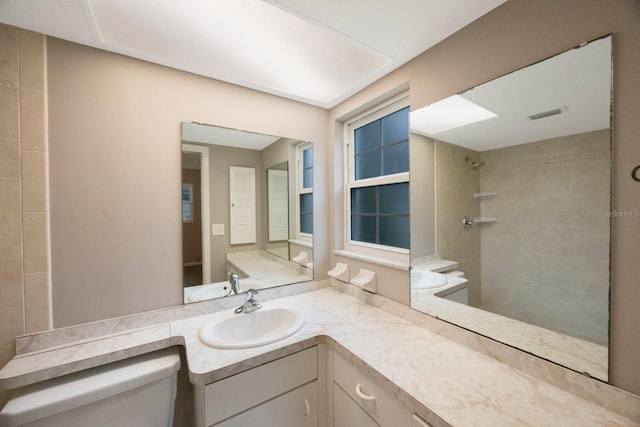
(205, 216)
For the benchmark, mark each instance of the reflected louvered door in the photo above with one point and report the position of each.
(242, 194)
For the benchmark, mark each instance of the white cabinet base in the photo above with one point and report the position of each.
(298, 408)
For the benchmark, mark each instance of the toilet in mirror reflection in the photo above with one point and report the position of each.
(246, 209)
(527, 159)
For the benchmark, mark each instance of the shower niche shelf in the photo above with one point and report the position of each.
(485, 195)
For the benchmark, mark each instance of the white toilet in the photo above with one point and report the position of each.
(136, 392)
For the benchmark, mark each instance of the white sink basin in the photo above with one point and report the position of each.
(427, 279)
(253, 329)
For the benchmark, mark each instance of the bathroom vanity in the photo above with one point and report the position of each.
(316, 386)
(347, 352)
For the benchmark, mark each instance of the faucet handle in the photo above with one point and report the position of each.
(250, 303)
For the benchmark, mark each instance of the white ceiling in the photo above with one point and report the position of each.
(317, 52)
(577, 81)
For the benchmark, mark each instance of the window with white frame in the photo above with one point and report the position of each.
(377, 188)
(187, 203)
(304, 190)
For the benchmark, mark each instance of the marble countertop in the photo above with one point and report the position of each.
(580, 355)
(574, 353)
(266, 269)
(444, 382)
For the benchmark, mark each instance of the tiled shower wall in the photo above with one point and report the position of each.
(25, 304)
(546, 259)
(456, 182)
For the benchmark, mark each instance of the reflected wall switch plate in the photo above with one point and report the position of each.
(217, 229)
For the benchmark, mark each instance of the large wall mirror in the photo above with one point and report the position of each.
(522, 208)
(247, 208)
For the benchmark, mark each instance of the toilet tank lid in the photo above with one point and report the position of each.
(72, 391)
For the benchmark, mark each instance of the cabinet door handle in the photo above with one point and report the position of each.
(307, 408)
(363, 396)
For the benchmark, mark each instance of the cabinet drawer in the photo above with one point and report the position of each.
(232, 395)
(287, 410)
(346, 413)
(382, 406)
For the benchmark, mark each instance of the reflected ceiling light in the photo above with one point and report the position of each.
(450, 113)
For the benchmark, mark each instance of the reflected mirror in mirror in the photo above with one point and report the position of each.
(521, 209)
(246, 209)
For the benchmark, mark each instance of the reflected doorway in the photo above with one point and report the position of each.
(195, 215)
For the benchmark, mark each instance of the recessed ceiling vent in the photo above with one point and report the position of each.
(548, 113)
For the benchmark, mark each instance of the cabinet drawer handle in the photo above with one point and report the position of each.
(307, 408)
(363, 396)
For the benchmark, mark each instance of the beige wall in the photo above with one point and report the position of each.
(114, 128)
(519, 33)
(24, 256)
(422, 197)
(546, 260)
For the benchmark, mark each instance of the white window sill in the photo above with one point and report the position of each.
(301, 243)
(376, 260)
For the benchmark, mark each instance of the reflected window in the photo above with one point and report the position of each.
(187, 202)
(305, 190)
(378, 178)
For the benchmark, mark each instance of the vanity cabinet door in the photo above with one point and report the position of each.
(298, 408)
(346, 413)
(383, 407)
(241, 392)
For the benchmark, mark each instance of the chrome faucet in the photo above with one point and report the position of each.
(250, 304)
(234, 280)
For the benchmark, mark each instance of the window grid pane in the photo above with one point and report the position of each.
(394, 231)
(395, 158)
(394, 199)
(380, 215)
(367, 165)
(364, 200)
(395, 127)
(363, 228)
(306, 223)
(307, 168)
(382, 146)
(306, 213)
(367, 137)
